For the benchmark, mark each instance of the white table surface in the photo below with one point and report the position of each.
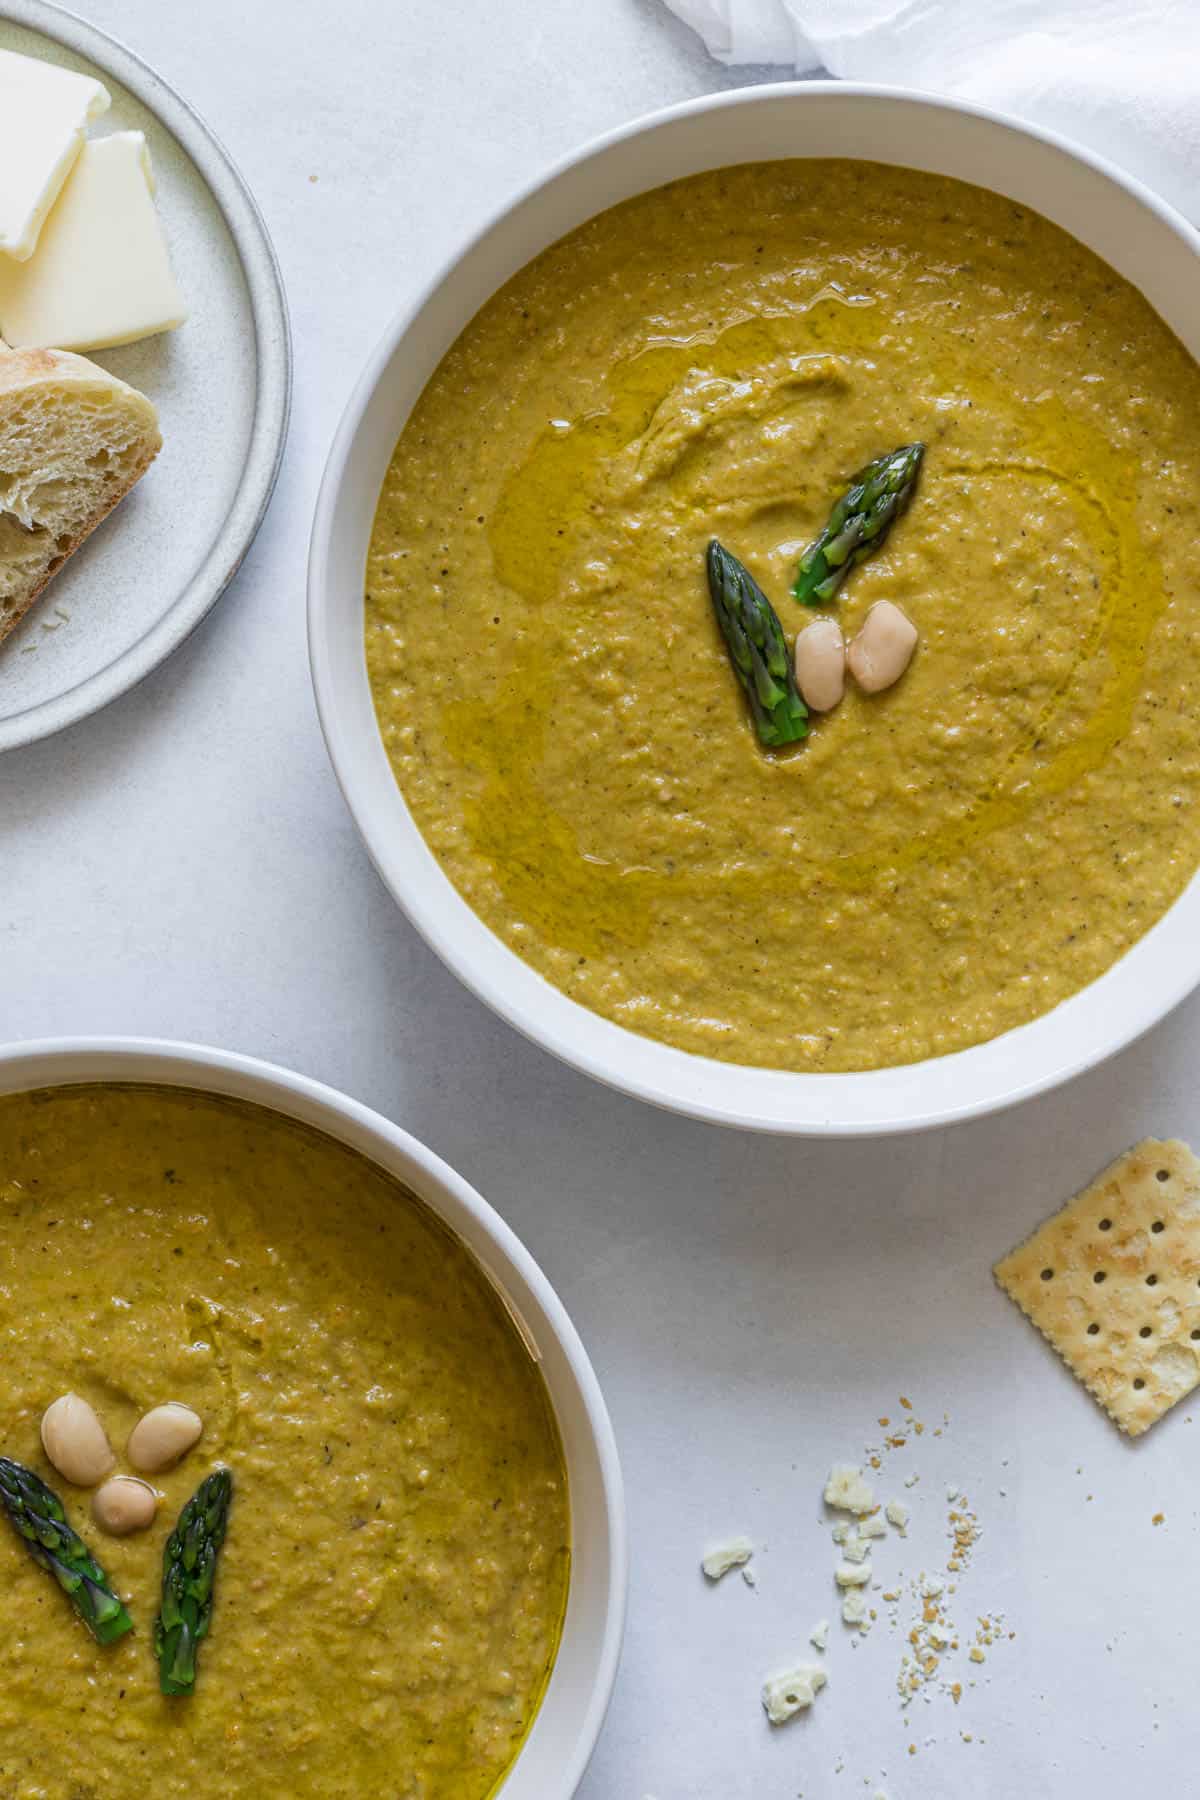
(182, 865)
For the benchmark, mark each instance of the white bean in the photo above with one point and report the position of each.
(883, 649)
(821, 664)
(163, 1435)
(124, 1504)
(76, 1442)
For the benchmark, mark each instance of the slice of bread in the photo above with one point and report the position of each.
(73, 441)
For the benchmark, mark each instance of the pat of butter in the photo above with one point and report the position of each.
(44, 114)
(101, 274)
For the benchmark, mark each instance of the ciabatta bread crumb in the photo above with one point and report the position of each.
(73, 441)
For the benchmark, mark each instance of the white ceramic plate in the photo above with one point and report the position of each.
(1138, 234)
(557, 1751)
(221, 384)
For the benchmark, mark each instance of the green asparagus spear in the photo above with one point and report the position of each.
(757, 649)
(858, 523)
(189, 1567)
(37, 1515)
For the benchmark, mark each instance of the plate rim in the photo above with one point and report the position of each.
(273, 366)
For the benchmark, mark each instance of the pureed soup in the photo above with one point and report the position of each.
(390, 1592)
(934, 864)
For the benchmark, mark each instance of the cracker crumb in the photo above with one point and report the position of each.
(792, 1690)
(848, 1491)
(854, 1607)
(732, 1553)
(849, 1574)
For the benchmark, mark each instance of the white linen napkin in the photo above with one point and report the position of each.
(1121, 76)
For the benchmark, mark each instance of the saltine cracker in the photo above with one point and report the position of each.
(1113, 1283)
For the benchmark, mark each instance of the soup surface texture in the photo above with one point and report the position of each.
(390, 1592)
(935, 864)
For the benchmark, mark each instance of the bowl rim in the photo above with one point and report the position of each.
(163, 1062)
(1146, 1007)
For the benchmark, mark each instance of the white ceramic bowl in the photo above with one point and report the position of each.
(1138, 234)
(554, 1758)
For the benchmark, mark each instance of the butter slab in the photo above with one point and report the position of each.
(44, 116)
(101, 275)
